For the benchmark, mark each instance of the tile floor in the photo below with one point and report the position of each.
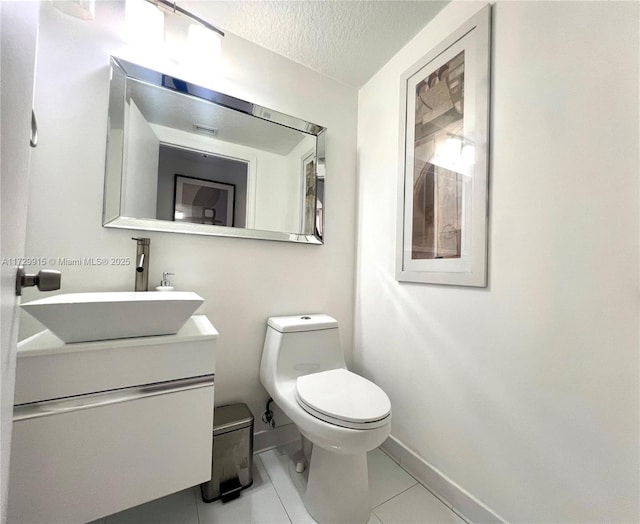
(396, 498)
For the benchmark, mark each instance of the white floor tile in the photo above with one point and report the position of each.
(386, 478)
(178, 508)
(416, 506)
(274, 499)
(276, 463)
(258, 504)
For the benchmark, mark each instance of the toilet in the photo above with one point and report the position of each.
(342, 415)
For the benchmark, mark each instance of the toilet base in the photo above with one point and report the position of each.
(337, 489)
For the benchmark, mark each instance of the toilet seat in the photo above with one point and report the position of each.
(343, 398)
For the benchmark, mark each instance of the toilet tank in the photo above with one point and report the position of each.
(299, 345)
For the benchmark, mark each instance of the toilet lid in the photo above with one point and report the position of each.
(343, 398)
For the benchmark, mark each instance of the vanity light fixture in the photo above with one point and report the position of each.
(167, 5)
(201, 42)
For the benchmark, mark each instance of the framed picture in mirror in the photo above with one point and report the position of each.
(200, 201)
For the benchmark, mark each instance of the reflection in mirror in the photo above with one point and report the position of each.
(186, 159)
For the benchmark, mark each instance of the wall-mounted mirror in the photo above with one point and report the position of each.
(183, 158)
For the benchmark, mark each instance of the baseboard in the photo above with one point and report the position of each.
(459, 500)
(272, 438)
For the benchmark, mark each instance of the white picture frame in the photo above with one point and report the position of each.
(444, 161)
(202, 201)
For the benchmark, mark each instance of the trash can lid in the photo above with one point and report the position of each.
(231, 417)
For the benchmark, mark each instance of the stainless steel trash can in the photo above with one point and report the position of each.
(231, 465)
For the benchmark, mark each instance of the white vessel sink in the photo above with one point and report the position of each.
(82, 317)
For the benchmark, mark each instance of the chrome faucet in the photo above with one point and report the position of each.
(142, 263)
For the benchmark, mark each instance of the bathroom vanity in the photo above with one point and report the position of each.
(103, 426)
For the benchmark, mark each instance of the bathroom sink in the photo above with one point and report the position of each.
(83, 317)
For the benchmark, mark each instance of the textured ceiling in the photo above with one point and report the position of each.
(346, 40)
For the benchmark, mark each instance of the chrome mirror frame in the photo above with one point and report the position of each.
(112, 217)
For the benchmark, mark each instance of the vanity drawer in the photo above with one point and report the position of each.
(43, 377)
(95, 455)
(47, 368)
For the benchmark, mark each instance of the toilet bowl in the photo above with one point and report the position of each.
(342, 414)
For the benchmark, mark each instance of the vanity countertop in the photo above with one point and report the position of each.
(198, 327)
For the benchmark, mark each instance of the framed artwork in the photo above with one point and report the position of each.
(443, 179)
(202, 201)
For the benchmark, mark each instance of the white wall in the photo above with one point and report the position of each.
(242, 281)
(524, 393)
(277, 199)
(140, 170)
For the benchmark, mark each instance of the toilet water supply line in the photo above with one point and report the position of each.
(267, 416)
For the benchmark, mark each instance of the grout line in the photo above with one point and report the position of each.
(438, 497)
(195, 500)
(478, 507)
(396, 495)
(461, 516)
(416, 481)
(399, 493)
(424, 485)
(435, 495)
(266, 471)
(373, 512)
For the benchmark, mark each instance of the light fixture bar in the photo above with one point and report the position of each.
(177, 9)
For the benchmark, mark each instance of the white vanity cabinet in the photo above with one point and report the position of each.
(103, 426)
